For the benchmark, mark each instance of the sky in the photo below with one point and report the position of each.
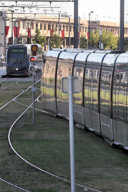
(103, 9)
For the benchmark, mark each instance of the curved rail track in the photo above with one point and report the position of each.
(85, 188)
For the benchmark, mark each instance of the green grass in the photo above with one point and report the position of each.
(46, 145)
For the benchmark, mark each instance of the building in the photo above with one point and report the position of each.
(113, 27)
(24, 25)
(18, 28)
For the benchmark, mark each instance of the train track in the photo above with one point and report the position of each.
(1, 108)
(85, 188)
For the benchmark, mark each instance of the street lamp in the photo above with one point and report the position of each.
(89, 27)
(12, 12)
(69, 30)
(59, 15)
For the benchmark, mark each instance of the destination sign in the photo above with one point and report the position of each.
(17, 50)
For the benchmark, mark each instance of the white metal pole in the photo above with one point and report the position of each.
(100, 33)
(69, 31)
(71, 129)
(33, 112)
(79, 33)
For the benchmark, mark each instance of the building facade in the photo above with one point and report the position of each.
(113, 27)
(17, 28)
(47, 25)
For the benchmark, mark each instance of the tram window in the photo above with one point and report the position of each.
(91, 87)
(120, 91)
(105, 91)
(79, 73)
(87, 89)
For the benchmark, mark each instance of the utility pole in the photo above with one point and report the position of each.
(76, 24)
(79, 33)
(121, 24)
(59, 24)
(12, 26)
(89, 27)
(69, 31)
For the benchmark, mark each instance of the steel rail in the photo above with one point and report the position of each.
(13, 185)
(17, 96)
(13, 100)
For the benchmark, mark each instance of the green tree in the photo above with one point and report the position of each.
(94, 39)
(126, 43)
(55, 41)
(83, 42)
(39, 39)
(108, 39)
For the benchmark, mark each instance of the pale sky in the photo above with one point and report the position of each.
(107, 10)
(103, 9)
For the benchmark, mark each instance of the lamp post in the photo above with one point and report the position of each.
(79, 33)
(59, 15)
(69, 31)
(121, 24)
(89, 26)
(12, 26)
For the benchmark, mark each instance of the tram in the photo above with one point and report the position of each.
(18, 59)
(102, 106)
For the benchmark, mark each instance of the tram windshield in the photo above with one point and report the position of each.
(17, 57)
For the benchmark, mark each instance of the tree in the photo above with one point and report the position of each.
(108, 39)
(83, 42)
(126, 43)
(94, 39)
(56, 41)
(39, 39)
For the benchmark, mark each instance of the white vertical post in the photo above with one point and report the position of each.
(71, 129)
(69, 31)
(33, 112)
(100, 42)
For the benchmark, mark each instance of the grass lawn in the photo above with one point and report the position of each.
(46, 145)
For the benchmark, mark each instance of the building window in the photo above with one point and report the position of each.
(56, 27)
(14, 23)
(52, 26)
(32, 25)
(37, 25)
(44, 26)
(40, 26)
(23, 25)
(49, 27)
(28, 25)
(70, 28)
(66, 27)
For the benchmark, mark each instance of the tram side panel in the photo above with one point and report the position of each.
(105, 96)
(78, 103)
(48, 81)
(65, 68)
(91, 92)
(120, 101)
